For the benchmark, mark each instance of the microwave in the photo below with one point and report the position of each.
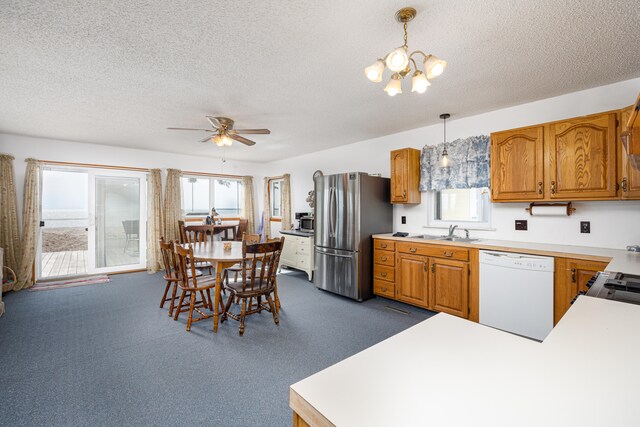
(306, 223)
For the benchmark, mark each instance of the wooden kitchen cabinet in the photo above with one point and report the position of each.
(571, 276)
(449, 286)
(405, 176)
(581, 155)
(412, 279)
(629, 176)
(517, 170)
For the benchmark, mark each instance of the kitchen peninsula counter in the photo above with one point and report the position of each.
(450, 371)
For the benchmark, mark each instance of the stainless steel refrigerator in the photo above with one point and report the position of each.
(350, 207)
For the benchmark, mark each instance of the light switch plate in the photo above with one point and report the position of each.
(585, 227)
(404, 219)
(521, 224)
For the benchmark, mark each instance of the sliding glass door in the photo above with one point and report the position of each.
(117, 215)
(93, 221)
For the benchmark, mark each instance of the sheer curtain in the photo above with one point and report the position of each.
(249, 211)
(9, 233)
(154, 258)
(266, 215)
(286, 202)
(30, 224)
(172, 205)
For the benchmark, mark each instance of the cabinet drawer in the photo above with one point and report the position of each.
(434, 251)
(384, 244)
(384, 272)
(384, 288)
(304, 249)
(384, 257)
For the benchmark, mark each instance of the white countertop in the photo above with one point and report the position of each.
(620, 261)
(453, 372)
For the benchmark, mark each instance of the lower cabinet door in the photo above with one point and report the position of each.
(412, 280)
(449, 286)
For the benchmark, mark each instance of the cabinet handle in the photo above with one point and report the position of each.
(425, 267)
(573, 275)
(383, 258)
(448, 254)
(383, 245)
(625, 184)
(383, 274)
(383, 289)
(413, 250)
(404, 194)
(553, 187)
(433, 268)
(539, 187)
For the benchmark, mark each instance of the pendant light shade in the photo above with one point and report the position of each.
(419, 82)
(374, 72)
(398, 59)
(444, 162)
(394, 86)
(434, 66)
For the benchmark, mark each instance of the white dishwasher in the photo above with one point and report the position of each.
(516, 293)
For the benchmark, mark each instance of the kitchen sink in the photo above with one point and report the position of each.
(445, 238)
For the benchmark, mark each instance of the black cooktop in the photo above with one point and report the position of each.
(615, 286)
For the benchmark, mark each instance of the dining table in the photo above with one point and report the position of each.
(214, 252)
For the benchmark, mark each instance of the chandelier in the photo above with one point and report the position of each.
(399, 62)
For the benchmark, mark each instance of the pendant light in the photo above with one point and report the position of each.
(445, 156)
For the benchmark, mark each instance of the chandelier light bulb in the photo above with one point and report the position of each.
(222, 140)
(434, 66)
(398, 59)
(394, 86)
(419, 82)
(445, 159)
(374, 72)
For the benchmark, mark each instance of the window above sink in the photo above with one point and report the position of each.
(467, 208)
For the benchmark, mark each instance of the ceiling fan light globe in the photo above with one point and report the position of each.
(394, 86)
(419, 82)
(434, 66)
(397, 60)
(374, 71)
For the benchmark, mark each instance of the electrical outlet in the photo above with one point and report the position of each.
(521, 224)
(404, 219)
(585, 226)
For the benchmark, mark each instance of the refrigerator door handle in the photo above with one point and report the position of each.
(332, 212)
(334, 254)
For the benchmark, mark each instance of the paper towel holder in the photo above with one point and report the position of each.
(570, 208)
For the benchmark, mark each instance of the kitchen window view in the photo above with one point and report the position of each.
(275, 197)
(200, 194)
(461, 205)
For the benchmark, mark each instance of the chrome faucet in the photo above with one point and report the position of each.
(452, 228)
(466, 232)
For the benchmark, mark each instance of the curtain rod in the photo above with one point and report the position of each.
(93, 165)
(211, 174)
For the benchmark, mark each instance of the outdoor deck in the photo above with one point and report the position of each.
(70, 263)
(67, 263)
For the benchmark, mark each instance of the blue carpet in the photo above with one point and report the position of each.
(107, 355)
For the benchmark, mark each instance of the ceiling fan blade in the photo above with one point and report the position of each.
(244, 140)
(214, 122)
(206, 130)
(207, 139)
(253, 131)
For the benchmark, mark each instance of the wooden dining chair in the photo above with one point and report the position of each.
(259, 268)
(196, 290)
(237, 268)
(181, 226)
(199, 234)
(243, 224)
(170, 274)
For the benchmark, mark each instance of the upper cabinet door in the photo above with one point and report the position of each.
(399, 176)
(629, 176)
(581, 153)
(517, 170)
(405, 175)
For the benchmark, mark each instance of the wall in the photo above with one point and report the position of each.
(613, 224)
(23, 147)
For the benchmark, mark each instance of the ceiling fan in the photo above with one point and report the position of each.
(223, 133)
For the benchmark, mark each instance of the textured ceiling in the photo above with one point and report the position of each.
(120, 72)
